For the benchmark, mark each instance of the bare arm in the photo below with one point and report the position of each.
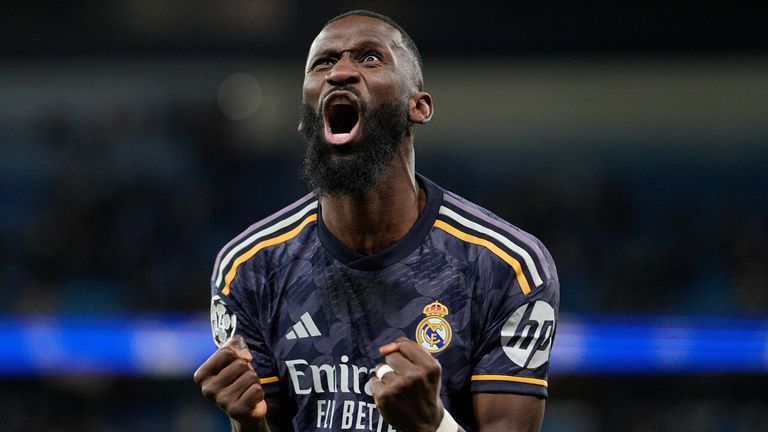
(503, 412)
(278, 418)
(280, 414)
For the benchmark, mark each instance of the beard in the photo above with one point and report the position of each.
(360, 166)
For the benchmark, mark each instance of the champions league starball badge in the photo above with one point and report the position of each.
(223, 322)
(433, 332)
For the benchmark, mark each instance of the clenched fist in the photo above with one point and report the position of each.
(228, 380)
(408, 397)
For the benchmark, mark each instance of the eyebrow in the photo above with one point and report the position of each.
(362, 46)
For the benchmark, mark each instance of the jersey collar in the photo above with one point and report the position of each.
(412, 239)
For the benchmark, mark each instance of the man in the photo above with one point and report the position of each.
(380, 301)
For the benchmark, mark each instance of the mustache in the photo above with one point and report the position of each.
(346, 88)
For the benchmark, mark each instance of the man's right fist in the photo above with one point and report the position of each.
(228, 380)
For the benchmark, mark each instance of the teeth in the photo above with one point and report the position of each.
(340, 100)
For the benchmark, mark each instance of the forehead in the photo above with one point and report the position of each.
(354, 30)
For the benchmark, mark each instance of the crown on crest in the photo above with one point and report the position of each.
(435, 309)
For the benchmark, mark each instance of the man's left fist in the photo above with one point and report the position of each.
(408, 397)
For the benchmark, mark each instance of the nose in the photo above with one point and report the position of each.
(345, 71)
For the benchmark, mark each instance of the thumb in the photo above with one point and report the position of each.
(261, 409)
(238, 345)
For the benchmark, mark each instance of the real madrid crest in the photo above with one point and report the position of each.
(433, 332)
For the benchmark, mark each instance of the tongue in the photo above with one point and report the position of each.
(340, 138)
(341, 124)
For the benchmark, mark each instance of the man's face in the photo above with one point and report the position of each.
(355, 104)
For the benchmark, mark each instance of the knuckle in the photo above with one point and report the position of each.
(258, 394)
(240, 366)
(238, 411)
(198, 377)
(226, 354)
(208, 393)
(248, 380)
(384, 394)
(422, 380)
(250, 376)
(410, 376)
(417, 374)
(419, 378)
(246, 364)
(434, 369)
(223, 402)
(373, 384)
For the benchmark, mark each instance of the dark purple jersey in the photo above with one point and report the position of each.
(478, 293)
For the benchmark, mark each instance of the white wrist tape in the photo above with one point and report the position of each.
(448, 424)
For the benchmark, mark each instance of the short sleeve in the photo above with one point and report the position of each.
(512, 355)
(235, 313)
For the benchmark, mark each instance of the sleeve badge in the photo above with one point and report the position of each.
(223, 322)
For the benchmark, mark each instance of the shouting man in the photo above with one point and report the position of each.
(379, 301)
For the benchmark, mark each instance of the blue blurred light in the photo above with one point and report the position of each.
(660, 345)
(175, 346)
(114, 346)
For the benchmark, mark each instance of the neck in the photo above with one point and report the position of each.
(370, 222)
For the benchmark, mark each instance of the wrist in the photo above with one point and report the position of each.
(447, 424)
(256, 425)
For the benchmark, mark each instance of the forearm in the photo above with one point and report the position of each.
(278, 418)
(448, 424)
(259, 426)
(502, 412)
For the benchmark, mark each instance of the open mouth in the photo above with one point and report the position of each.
(341, 113)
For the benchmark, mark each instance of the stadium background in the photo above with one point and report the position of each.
(137, 137)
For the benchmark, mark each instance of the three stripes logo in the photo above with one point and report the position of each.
(303, 329)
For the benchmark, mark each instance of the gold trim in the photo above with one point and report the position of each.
(261, 245)
(269, 380)
(493, 248)
(535, 381)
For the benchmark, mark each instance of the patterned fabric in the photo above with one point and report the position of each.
(478, 293)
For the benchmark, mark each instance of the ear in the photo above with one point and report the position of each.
(420, 108)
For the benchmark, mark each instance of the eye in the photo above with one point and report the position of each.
(323, 63)
(371, 57)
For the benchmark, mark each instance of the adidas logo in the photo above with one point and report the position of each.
(304, 328)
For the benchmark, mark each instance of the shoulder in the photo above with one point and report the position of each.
(506, 247)
(280, 227)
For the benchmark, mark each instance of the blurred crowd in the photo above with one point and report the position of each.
(125, 211)
(671, 235)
